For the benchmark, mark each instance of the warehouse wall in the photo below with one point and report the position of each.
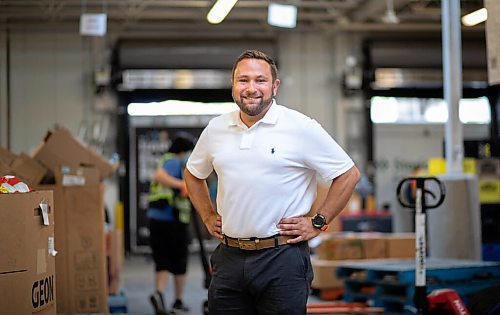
(51, 82)
(311, 69)
(48, 85)
(3, 89)
(398, 149)
(306, 73)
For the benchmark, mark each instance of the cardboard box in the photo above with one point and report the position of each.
(400, 245)
(77, 177)
(4, 169)
(339, 246)
(114, 260)
(60, 149)
(27, 246)
(28, 170)
(374, 246)
(365, 245)
(81, 262)
(6, 156)
(325, 274)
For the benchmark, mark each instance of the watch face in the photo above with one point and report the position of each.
(318, 221)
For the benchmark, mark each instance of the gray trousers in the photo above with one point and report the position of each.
(269, 281)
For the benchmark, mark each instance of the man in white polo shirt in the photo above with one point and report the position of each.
(266, 157)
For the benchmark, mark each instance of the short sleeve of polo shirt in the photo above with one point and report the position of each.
(322, 152)
(199, 163)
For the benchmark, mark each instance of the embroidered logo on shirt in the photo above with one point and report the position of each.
(272, 151)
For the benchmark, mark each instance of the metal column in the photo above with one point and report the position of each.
(454, 229)
(452, 84)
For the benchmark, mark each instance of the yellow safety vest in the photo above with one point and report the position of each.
(160, 196)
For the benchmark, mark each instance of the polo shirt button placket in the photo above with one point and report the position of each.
(247, 139)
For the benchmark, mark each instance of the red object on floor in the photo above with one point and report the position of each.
(446, 299)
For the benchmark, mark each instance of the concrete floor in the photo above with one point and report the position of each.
(137, 284)
(138, 279)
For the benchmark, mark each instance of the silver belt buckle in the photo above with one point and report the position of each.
(248, 243)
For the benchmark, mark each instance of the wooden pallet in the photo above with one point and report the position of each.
(342, 308)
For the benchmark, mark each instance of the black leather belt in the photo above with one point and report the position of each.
(254, 243)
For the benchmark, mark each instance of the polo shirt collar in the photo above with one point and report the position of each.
(271, 117)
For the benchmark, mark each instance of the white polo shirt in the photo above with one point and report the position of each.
(268, 171)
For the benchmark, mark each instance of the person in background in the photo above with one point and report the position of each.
(266, 158)
(169, 214)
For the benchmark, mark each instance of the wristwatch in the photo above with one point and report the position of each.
(319, 222)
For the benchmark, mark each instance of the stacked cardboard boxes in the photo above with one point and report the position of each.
(74, 173)
(27, 260)
(337, 248)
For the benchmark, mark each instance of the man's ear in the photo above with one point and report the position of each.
(276, 85)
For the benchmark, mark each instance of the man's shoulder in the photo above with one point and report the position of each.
(293, 116)
(221, 120)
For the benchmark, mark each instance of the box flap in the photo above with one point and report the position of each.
(6, 156)
(61, 149)
(4, 169)
(28, 169)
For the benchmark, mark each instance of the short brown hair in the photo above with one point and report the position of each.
(255, 54)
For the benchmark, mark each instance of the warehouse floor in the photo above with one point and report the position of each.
(137, 284)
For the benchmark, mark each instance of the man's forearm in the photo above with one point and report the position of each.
(339, 193)
(199, 195)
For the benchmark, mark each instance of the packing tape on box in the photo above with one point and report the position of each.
(45, 212)
(52, 247)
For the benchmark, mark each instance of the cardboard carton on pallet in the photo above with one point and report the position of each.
(27, 263)
(74, 173)
(79, 201)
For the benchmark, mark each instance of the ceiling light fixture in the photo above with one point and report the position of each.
(390, 16)
(475, 17)
(282, 15)
(220, 10)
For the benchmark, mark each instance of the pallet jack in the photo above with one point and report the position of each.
(443, 301)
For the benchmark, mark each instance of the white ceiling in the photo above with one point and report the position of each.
(184, 18)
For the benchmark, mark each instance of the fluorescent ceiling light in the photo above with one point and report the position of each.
(282, 15)
(475, 17)
(220, 10)
(93, 24)
(179, 108)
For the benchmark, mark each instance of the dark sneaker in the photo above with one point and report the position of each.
(158, 305)
(179, 308)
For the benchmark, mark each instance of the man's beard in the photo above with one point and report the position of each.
(253, 110)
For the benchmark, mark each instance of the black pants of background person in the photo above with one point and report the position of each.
(169, 244)
(269, 281)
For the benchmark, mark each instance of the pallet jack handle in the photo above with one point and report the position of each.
(420, 205)
(420, 184)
